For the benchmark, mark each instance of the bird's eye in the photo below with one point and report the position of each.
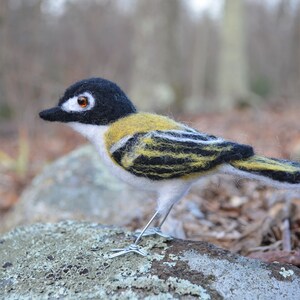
(83, 101)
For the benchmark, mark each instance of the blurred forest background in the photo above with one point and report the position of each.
(196, 58)
(167, 55)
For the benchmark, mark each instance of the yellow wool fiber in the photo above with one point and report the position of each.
(263, 163)
(138, 123)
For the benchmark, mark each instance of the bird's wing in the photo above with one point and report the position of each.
(166, 154)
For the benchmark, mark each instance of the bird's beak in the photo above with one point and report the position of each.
(53, 114)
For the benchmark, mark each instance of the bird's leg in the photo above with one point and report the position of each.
(135, 247)
(156, 230)
(165, 217)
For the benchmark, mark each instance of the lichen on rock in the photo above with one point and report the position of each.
(71, 260)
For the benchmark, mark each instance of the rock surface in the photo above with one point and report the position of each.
(78, 186)
(70, 260)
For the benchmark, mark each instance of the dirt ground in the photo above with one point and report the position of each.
(242, 216)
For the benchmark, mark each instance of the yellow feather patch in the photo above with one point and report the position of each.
(138, 123)
(263, 163)
(215, 148)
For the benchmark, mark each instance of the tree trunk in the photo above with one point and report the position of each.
(232, 81)
(155, 80)
(3, 34)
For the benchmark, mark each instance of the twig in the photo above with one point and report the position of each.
(286, 235)
(271, 247)
(286, 232)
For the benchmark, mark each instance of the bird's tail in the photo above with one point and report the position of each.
(272, 171)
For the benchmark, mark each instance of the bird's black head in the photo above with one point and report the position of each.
(91, 101)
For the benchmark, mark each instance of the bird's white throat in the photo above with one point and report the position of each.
(95, 134)
(92, 132)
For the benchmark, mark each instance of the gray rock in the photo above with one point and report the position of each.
(70, 260)
(78, 186)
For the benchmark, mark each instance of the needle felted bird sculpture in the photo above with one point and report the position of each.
(155, 153)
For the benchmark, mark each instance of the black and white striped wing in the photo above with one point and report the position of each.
(160, 155)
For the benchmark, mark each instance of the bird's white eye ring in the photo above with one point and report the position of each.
(79, 103)
(83, 101)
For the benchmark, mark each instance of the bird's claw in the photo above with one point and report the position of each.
(131, 248)
(153, 231)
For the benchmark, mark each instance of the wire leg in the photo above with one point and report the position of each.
(145, 228)
(155, 230)
(165, 217)
(134, 247)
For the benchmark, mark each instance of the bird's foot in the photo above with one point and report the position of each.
(131, 248)
(153, 231)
